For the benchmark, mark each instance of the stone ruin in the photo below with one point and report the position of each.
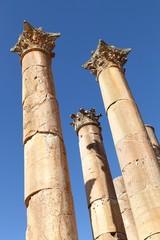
(127, 207)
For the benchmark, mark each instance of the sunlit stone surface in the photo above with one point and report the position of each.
(125, 208)
(104, 210)
(50, 210)
(141, 172)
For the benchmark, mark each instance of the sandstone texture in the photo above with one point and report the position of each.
(50, 216)
(40, 107)
(118, 80)
(135, 153)
(154, 140)
(125, 208)
(50, 209)
(112, 236)
(137, 158)
(103, 206)
(45, 164)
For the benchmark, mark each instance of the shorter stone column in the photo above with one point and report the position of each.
(103, 206)
(125, 208)
(154, 140)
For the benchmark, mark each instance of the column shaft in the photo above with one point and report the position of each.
(47, 186)
(103, 206)
(48, 197)
(137, 159)
(125, 208)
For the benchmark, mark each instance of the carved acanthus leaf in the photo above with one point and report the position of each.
(35, 38)
(106, 55)
(84, 117)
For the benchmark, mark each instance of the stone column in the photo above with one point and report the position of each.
(104, 210)
(154, 140)
(50, 210)
(140, 171)
(125, 208)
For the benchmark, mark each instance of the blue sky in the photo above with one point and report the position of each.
(125, 23)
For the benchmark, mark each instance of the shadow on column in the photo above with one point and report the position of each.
(108, 188)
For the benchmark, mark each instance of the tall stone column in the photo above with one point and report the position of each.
(154, 140)
(104, 210)
(140, 171)
(50, 210)
(125, 208)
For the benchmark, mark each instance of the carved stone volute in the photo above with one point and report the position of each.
(106, 56)
(84, 117)
(33, 38)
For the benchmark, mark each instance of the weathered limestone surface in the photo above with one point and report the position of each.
(104, 210)
(50, 210)
(46, 165)
(40, 107)
(118, 80)
(154, 140)
(112, 236)
(137, 159)
(96, 172)
(125, 208)
(51, 216)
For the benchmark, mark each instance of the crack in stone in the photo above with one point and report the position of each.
(118, 100)
(125, 210)
(115, 235)
(48, 96)
(124, 192)
(43, 132)
(34, 193)
(157, 233)
(102, 198)
(25, 70)
(33, 66)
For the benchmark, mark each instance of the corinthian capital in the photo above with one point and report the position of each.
(84, 117)
(32, 38)
(106, 55)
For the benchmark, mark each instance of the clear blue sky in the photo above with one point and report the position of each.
(125, 23)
